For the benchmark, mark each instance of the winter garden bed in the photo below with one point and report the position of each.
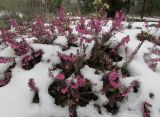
(85, 68)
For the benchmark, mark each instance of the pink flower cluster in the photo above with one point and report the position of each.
(123, 41)
(84, 39)
(68, 58)
(146, 111)
(124, 93)
(26, 60)
(81, 28)
(80, 82)
(60, 27)
(155, 60)
(3, 82)
(64, 90)
(61, 14)
(8, 37)
(52, 25)
(158, 25)
(60, 76)
(95, 25)
(113, 77)
(7, 59)
(39, 28)
(20, 48)
(14, 23)
(156, 51)
(117, 23)
(32, 85)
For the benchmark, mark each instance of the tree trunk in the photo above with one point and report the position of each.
(143, 7)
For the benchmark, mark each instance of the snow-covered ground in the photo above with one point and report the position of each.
(16, 97)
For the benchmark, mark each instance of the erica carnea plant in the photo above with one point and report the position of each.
(20, 48)
(74, 92)
(115, 92)
(29, 61)
(7, 59)
(34, 89)
(146, 110)
(7, 75)
(151, 57)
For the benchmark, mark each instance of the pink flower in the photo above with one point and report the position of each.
(14, 23)
(6, 59)
(158, 25)
(32, 85)
(146, 111)
(27, 58)
(73, 85)
(95, 25)
(114, 79)
(123, 41)
(124, 94)
(64, 90)
(60, 76)
(146, 25)
(155, 60)
(117, 23)
(68, 58)
(81, 21)
(84, 39)
(81, 81)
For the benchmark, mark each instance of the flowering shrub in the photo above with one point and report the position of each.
(146, 36)
(124, 41)
(72, 92)
(149, 60)
(114, 81)
(6, 59)
(70, 87)
(33, 87)
(72, 63)
(29, 61)
(117, 95)
(146, 111)
(117, 22)
(15, 25)
(20, 48)
(81, 27)
(7, 76)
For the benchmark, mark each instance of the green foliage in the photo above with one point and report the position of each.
(87, 6)
(52, 5)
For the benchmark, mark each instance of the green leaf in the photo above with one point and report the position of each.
(112, 89)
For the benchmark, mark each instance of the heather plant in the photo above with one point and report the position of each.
(20, 48)
(150, 60)
(72, 93)
(81, 27)
(29, 61)
(145, 35)
(146, 111)
(7, 59)
(7, 75)
(69, 86)
(114, 91)
(72, 63)
(34, 88)
(15, 25)
(132, 55)
(117, 23)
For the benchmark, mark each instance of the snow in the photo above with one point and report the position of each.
(16, 97)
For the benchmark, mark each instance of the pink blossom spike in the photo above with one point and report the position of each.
(32, 85)
(60, 76)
